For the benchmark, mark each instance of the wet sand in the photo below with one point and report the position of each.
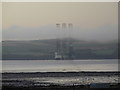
(59, 80)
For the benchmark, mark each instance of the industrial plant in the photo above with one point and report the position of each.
(64, 46)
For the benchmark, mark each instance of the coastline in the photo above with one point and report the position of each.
(58, 80)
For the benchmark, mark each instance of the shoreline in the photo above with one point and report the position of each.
(69, 72)
(59, 80)
(57, 74)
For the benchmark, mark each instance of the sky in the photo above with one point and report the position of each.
(31, 21)
(0, 21)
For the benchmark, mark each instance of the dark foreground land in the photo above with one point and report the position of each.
(61, 81)
(59, 88)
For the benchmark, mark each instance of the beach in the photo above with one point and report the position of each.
(59, 80)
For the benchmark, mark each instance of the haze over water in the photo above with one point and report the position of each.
(59, 65)
(33, 21)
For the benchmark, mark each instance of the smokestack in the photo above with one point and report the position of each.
(58, 25)
(64, 25)
(70, 25)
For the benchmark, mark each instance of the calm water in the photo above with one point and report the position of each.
(59, 65)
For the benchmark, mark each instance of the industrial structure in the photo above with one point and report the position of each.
(64, 46)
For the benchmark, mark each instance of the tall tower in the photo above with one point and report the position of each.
(64, 48)
(70, 45)
(58, 55)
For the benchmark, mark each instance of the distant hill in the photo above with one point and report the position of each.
(45, 49)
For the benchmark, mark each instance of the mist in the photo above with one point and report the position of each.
(101, 34)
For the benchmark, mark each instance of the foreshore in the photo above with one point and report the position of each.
(60, 80)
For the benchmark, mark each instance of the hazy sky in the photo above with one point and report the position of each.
(37, 20)
(0, 15)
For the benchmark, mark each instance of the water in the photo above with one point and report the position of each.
(59, 65)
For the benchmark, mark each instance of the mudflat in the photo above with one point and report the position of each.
(59, 80)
